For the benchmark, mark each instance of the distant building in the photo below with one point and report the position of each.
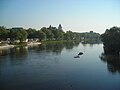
(90, 36)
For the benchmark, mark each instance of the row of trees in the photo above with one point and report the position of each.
(52, 33)
(45, 33)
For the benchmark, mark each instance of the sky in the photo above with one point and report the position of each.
(74, 15)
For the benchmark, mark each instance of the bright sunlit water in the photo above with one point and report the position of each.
(52, 66)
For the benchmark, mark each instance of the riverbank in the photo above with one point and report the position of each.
(33, 43)
(7, 46)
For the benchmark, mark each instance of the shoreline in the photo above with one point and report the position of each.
(12, 46)
(33, 43)
(7, 46)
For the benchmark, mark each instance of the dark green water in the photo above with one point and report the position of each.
(53, 67)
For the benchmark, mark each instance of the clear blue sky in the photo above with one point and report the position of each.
(75, 15)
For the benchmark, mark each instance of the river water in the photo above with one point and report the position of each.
(52, 66)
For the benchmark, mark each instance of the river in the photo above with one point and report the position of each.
(52, 66)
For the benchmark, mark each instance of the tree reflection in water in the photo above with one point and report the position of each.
(113, 62)
(53, 47)
(57, 47)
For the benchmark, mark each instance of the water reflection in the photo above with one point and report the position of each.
(4, 52)
(57, 47)
(14, 56)
(71, 45)
(19, 52)
(54, 47)
(91, 41)
(113, 62)
(18, 55)
(42, 68)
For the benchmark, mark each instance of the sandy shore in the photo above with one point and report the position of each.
(12, 46)
(32, 44)
(6, 46)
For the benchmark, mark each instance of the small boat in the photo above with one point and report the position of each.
(80, 53)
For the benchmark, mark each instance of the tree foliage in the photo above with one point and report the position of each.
(32, 33)
(18, 34)
(3, 33)
(41, 35)
(45, 33)
(111, 39)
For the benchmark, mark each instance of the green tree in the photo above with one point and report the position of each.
(55, 32)
(49, 34)
(3, 33)
(111, 39)
(19, 34)
(41, 35)
(69, 35)
(32, 33)
(61, 35)
(76, 36)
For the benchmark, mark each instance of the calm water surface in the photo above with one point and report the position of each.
(52, 66)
